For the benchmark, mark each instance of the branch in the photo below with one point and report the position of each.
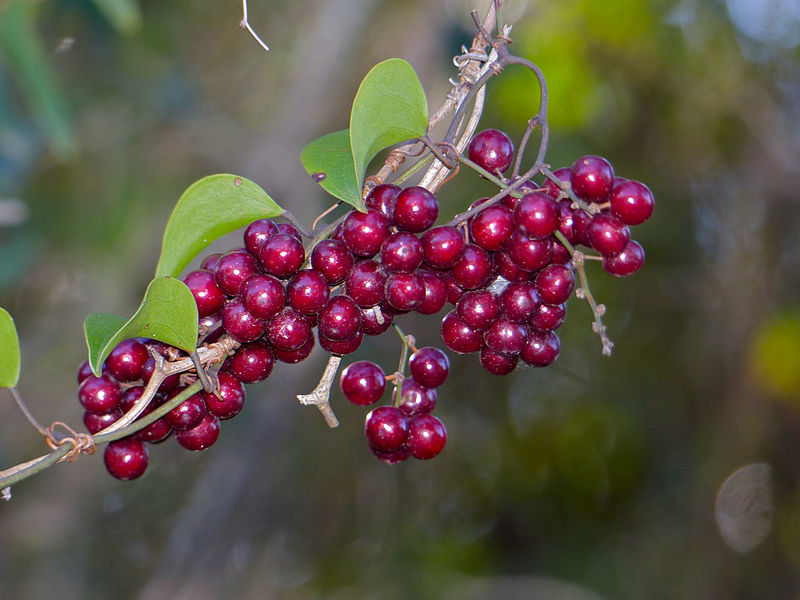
(245, 24)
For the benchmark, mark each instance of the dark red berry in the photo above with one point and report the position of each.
(287, 330)
(233, 269)
(528, 254)
(458, 336)
(554, 284)
(365, 283)
(508, 269)
(491, 149)
(390, 458)
(308, 291)
(363, 233)
(340, 319)
(363, 382)
(401, 252)
(548, 316)
(187, 414)
(415, 398)
(429, 366)
(454, 291)
(240, 324)
(126, 459)
(478, 309)
(252, 362)
(295, 356)
(519, 301)
(607, 234)
(541, 349)
(202, 436)
(386, 428)
(282, 255)
(404, 291)
(504, 336)
(370, 323)
(474, 269)
(257, 233)
(496, 363)
(416, 209)
(263, 296)
(426, 436)
(209, 298)
(510, 201)
(126, 360)
(631, 202)
(99, 394)
(209, 263)
(84, 371)
(332, 259)
(291, 230)
(627, 262)
(158, 430)
(564, 174)
(229, 399)
(383, 198)
(442, 247)
(169, 384)
(592, 178)
(537, 215)
(491, 227)
(435, 293)
(561, 255)
(342, 347)
(96, 422)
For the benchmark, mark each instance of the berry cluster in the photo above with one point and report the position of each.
(405, 427)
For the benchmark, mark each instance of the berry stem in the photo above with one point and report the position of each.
(320, 397)
(567, 189)
(583, 292)
(25, 411)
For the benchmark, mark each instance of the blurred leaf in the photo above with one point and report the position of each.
(775, 356)
(329, 161)
(9, 351)
(19, 41)
(124, 15)
(207, 210)
(168, 314)
(389, 107)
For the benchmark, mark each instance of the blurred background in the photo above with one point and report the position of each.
(669, 470)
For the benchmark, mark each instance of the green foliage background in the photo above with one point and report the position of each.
(593, 478)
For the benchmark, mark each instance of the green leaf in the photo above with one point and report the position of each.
(124, 15)
(207, 210)
(329, 161)
(9, 351)
(389, 107)
(168, 314)
(28, 62)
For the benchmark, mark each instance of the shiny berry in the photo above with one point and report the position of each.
(592, 178)
(404, 291)
(442, 247)
(415, 398)
(282, 255)
(342, 347)
(429, 366)
(332, 259)
(548, 316)
(504, 336)
(365, 283)
(287, 330)
(263, 296)
(229, 399)
(435, 293)
(187, 414)
(401, 252)
(478, 309)
(84, 371)
(554, 284)
(295, 356)
(491, 149)
(383, 198)
(541, 348)
(99, 394)
(416, 209)
(474, 269)
(519, 301)
(529, 254)
(363, 382)
(426, 436)
(607, 234)
(386, 428)
(257, 233)
(363, 233)
(240, 324)
(233, 269)
(202, 436)
(537, 215)
(491, 227)
(370, 323)
(458, 336)
(209, 263)
(291, 230)
(390, 458)
(564, 174)
(631, 202)
(127, 359)
(627, 262)
(126, 459)
(496, 363)
(308, 291)
(252, 362)
(340, 319)
(96, 422)
(207, 295)
(508, 270)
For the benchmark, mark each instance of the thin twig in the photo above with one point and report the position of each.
(320, 397)
(24, 408)
(245, 24)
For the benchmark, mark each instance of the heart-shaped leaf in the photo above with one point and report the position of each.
(207, 210)
(168, 314)
(330, 163)
(389, 107)
(9, 351)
